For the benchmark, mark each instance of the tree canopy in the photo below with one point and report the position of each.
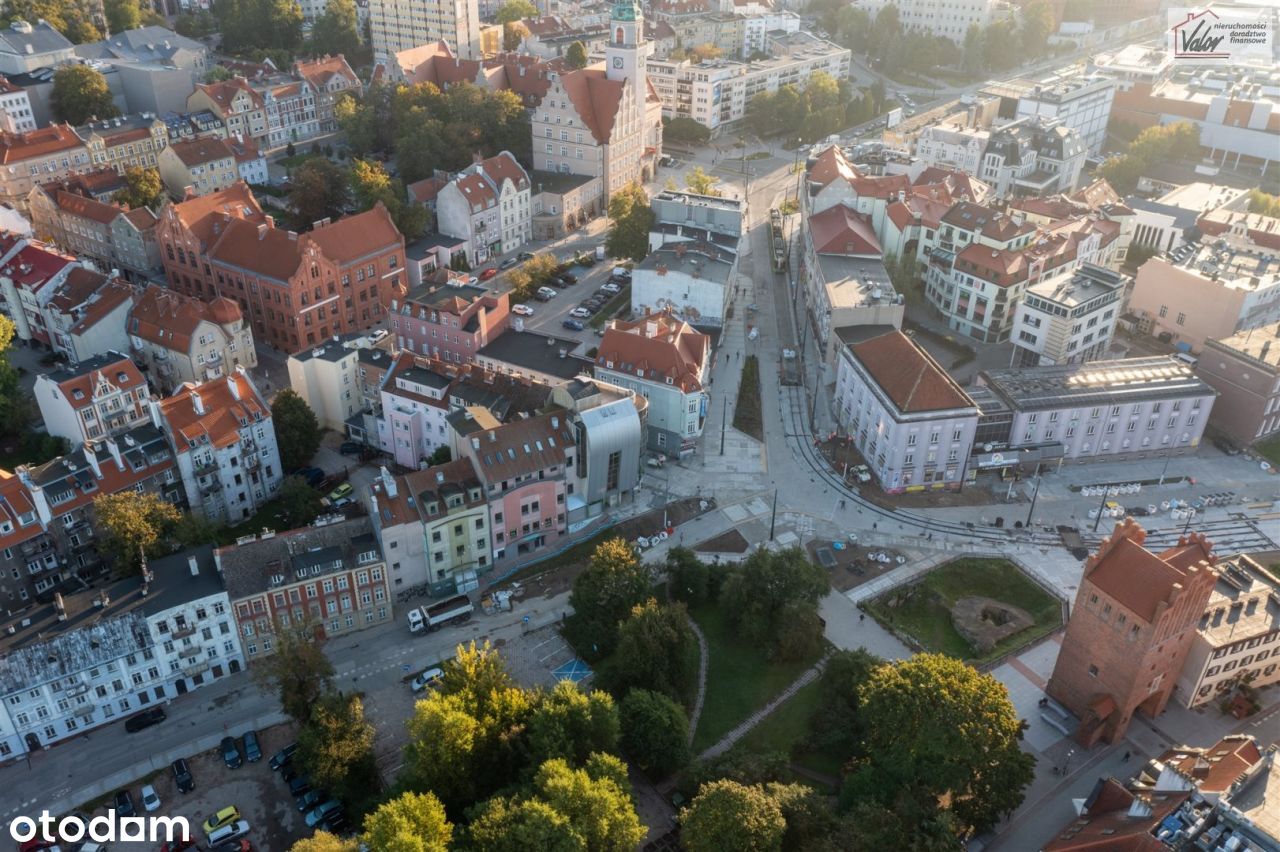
(1177, 141)
(812, 113)
(576, 55)
(771, 599)
(937, 729)
(701, 183)
(655, 732)
(297, 669)
(685, 130)
(603, 595)
(656, 650)
(630, 220)
(143, 188)
(337, 30)
(371, 184)
(1263, 203)
(122, 15)
(515, 10)
(411, 822)
(727, 816)
(319, 190)
(80, 93)
(297, 429)
(133, 523)
(75, 19)
(249, 25)
(336, 747)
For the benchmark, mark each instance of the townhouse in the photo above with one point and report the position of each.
(86, 316)
(198, 166)
(330, 578)
(251, 163)
(124, 142)
(290, 109)
(664, 360)
(180, 339)
(330, 78)
(451, 321)
(38, 156)
(110, 234)
(225, 445)
(48, 535)
(89, 400)
(414, 408)
(692, 279)
(15, 108)
(30, 273)
(329, 379)
(488, 205)
(239, 108)
(434, 526)
(90, 657)
(188, 125)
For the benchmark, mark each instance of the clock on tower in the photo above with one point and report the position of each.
(617, 62)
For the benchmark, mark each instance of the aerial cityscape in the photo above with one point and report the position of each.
(610, 425)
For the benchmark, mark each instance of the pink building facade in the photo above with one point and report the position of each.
(449, 322)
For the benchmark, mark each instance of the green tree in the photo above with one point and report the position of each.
(1263, 203)
(656, 650)
(569, 724)
(630, 220)
(908, 824)
(836, 727)
(588, 808)
(193, 530)
(938, 730)
(513, 34)
(337, 30)
(655, 732)
(142, 188)
(688, 575)
(726, 816)
(476, 672)
(442, 455)
(297, 670)
(540, 268)
(80, 93)
(1036, 27)
(516, 10)
(196, 25)
(411, 822)
(576, 55)
(297, 430)
(772, 602)
(15, 403)
(701, 183)
(319, 191)
(371, 185)
(132, 523)
(335, 747)
(810, 820)
(218, 74)
(603, 595)
(122, 15)
(685, 130)
(299, 502)
(323, 841)
(700, 53)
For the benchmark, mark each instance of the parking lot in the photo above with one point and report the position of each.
(262, 798)
(548, 317)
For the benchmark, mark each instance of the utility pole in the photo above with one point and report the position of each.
(1106, 492)
(1034, 495)
(813, 405)
(774, 515)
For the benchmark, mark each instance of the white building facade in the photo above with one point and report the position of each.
(1069, 318)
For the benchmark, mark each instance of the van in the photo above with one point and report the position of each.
(233, 831)
(1186, 358)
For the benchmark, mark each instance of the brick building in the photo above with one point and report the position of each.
(1132, 626)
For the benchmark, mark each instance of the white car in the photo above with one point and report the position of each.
(472, 280)
(427, 678)
(150, 801)
(580, 313)
(522, 310)
(610, 287)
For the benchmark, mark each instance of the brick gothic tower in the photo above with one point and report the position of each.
(1130, 629)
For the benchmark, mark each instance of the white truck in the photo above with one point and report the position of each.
(454, 610)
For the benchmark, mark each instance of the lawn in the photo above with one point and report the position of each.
(926, 617)
(1270, 450)
(740, 680)
(296, 160)
(611, 307)
(271, 516)
(747, 416)
(785, 729)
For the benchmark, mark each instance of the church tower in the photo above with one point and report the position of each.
(625, 53)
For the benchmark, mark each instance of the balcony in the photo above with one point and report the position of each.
(36, 546)
(252, 462)
(201, 465)
(189, 653)
(184, 632)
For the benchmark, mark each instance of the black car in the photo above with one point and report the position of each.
(351, 448)
(144, 720)
(284, 756)
(124, 804)
(252, 751)
(568, 278)
(508, 263)
(525, 255)
(182, 776)
(300, 785)
(288, 773)
(231, 753)
(1226, 446)
(312, 475)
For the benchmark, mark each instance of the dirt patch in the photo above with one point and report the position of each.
(853, 565)
(731, 541)
(985, 622)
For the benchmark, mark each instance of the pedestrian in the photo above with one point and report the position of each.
(1125, 759)
(873, 524)
(862, 616)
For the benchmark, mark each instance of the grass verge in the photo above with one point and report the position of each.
(611, 307)
(740, 680)
(785, 730)
(1270, 450)
(747, 416)
(926, 615)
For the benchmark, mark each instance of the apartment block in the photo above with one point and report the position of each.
(110, 234)
(1245, 371)
(1068, 318)
(397, 25)
(1080, 101)
(330, 77)
(450, 321)
(488, 205)
(30, 273)
(86, 316)
(105, 395)
(198, 166)
(128, 141)
(182, 339)
(328, 378)
(15, 108)
(946, 18)
(38, 156)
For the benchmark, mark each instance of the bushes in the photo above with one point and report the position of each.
(603, 595)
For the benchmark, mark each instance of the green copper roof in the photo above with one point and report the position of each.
(624, 10)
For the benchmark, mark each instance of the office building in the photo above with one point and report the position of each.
(1245, 371)
(1068, 318)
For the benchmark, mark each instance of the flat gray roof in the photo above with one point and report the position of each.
(539, 353)
(1116, 382)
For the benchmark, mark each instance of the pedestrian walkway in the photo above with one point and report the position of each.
(703, 662)
(727, 742)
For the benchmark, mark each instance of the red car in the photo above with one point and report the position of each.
(488, 273)
(179, 845)
(35, 844)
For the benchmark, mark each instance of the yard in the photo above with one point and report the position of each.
(740, 680)
(923, 611)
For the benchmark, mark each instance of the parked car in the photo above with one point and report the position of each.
(336, 824)
(226, 816)
(351, 448)
(343, 490)
(522, 310)
(569, 277)
(472, 280)
(621, 273)
(234, 831)
(508, 263)
(563, 281)
(580, 313)
(323, 812)
(488, 273)
(586, 260)
(572, 324)
(310, 800)
(144, 720)
(546, 294)
(427, 678)
(252, 751)
(178, 845)
(313, 475)
(182, 778)
(525, 255)
(241, 845)
(288, 773)
(1226, 446)
(231, 753)
(284, 756)
(36, 844)
(610, 287)
(150, 801)
(124, 804)
(300, 785)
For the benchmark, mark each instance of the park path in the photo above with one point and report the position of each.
(728, 740)
(702, 677)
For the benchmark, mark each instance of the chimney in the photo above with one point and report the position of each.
(197, 403)
(91, 457)
(194, 566)
(262, 230)
(114, 448)
(234, 387)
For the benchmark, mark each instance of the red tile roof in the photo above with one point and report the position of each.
(477, 191)
(35, 264)
(1106, 826)
(1216, 768)
(79, 389)
(93, 294)
(259, 248)
(521, 447)
(223, 411)
(224, 92)
(422, 191)
(197, 152)
(358, 236)
(661, 347)
(1140, 580)
(318, 72)
(595, 98)
(841, 231)
(86, 208)
(503, 167)
(205, 215)
(169, 319)
(17, 147)
(908, 375)
(832, 164)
